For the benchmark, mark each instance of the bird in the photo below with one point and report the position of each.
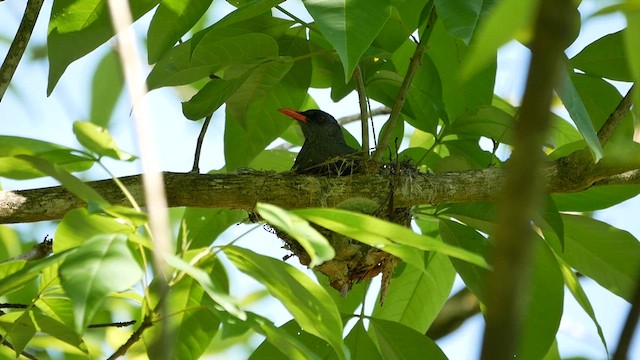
(323, 142)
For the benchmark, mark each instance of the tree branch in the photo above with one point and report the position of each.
(616, 117)
(243, 191)
(19, 44)
(406, 84)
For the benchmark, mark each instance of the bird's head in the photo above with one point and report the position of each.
(316, 125)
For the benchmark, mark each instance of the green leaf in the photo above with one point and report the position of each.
(595, 198)
(489, 121)
(103, 264)
(544, 304)
(255, 88)
(397, 341)
(213, 288)
(77, 27)
(573, 284)
(608, 255)
(106, 87)
(263, 121)
(20, 332)
(312, 241)
(172, 19)
(193, 325)
(463, 236)
(392, 238)
(215, 50)
(17, 273)
(274, 160)
(349, 26)
(416, 296)
(200, 227)
(508, 19)
(574, 105)
(605, 57)
(211, 97)
(15, 168)
(360, 344)
(307, 301)
(288, 340)
(460, 96)
(70, 182)
(59, 331)
(98, 140)
(78, 225)
(461, 18)
(247, 11)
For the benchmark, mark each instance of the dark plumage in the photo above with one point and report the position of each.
(323, 141)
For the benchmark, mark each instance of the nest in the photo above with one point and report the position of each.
(355, 261)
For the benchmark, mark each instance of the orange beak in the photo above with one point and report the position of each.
(294, 114)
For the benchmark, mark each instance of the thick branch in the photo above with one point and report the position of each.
(242, 191)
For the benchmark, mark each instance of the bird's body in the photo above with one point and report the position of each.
(323, 142)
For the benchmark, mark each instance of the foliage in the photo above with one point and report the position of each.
(261, 57)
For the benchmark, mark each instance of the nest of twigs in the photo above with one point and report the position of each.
(355, 261)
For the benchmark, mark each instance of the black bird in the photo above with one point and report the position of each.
(323, 142)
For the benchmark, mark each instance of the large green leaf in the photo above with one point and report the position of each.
(392, 238)
(349, 26)
(193, 325)
(397, 341)
(312, 241)
(59, 331)
(460, 96)
(172, 19)
(200, 227)
(608, 255)
(307, 301)
(211, 97)
(215, 50)
(360, 344)
(508, 19)
(461, 17)
(103, 264)
(605, 57)
(98, 140)
(15, 168)
(16, 274)
(575, 106)
(595, 198)
(247, 11)
(288, 340)
(263, 121)
(106, 87)
(77, 27)
(19, 330)
(416, 296)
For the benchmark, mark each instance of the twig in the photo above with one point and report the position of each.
(13, 306)
(196, 158)
(19, 44)
(458, 308)
(146, 323)
(616, 117)
(406, 84)
(113, 324)
(629, 326)
(520, 199)
(364, 116)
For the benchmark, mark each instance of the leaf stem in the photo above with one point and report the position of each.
(406, 84)
(364, 114)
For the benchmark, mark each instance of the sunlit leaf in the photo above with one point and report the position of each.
(98, 140)
(397, 341)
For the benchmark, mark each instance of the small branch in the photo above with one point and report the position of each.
(19, 44)
(13, 306)
(406, 84)
(374, 112)
(629, 326)
(616, 117)
(114, 324)
(146, 323)
(203, 132)
(364, 117)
